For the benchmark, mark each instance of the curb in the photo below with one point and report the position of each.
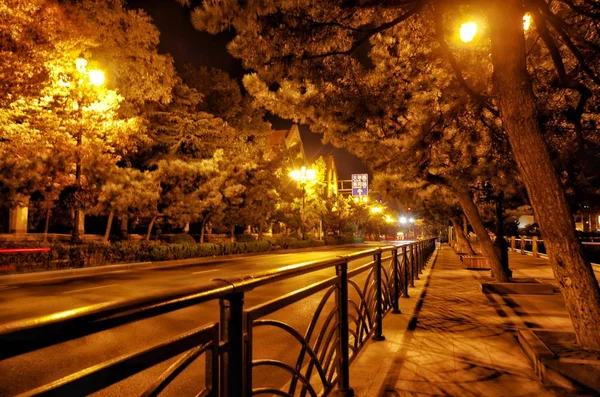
(88, 271)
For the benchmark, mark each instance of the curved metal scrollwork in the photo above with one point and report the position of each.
(317, 353)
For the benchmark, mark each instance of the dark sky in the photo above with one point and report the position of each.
(187, 45)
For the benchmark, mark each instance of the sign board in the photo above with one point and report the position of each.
(360, 184)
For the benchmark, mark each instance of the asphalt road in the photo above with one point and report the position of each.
(41, 366)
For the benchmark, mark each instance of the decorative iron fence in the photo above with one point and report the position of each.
(346, 316)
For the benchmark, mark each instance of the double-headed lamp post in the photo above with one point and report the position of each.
(83, 77)
(303, 175)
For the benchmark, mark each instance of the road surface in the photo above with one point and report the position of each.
(44, 365)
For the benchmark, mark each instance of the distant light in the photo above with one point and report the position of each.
(96, 77)
(365, 199)
(296, 175)
(468, 30)
(526, 21)
(81, 64)
(403, 220)
(412, 220)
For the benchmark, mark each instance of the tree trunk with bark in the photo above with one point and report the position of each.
(150, 228)
(460, 236)
(111, 216)
(202, 231)
(47, 224)
(472, 213)
(232, 230)
(123, 226)
(520, 121)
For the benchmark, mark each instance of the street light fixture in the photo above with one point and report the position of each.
(403, 220)
(303, 175)
(467, 32)
(96, 78)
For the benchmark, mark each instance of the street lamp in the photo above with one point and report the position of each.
(96, 78)
(303, 175)
(403, 220)
(467, 32)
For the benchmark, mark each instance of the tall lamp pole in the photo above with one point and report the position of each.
(303, 175)
(94, 78)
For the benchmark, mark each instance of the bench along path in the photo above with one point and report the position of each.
(461, 343)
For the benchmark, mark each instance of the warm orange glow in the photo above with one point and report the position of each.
(526, 21)
(303, 174)
(81, 64)
(468, 30)
(96, 77)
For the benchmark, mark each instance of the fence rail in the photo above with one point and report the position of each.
(347, 315)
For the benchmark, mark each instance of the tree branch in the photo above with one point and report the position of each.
(370, 33)
(564, 80)
(439, 34)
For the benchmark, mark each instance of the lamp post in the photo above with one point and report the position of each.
(82, 77)
(303, 175)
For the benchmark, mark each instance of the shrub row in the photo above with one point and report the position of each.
(63, 256)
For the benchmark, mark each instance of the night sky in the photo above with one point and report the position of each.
(187, 45)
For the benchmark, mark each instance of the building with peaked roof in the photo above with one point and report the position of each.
(290, 139)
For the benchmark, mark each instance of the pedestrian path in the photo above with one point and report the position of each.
(461, 344)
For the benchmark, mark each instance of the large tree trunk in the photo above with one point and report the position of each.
(47, 224)
(460, 236)
(520, 121)
(111, 216)
(487, 246)
(123, 225)
(202, 231)
(150, 228)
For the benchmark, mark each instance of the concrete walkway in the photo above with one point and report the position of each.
(461, 342)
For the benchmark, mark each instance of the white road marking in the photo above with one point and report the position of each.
(207, 271)
(6, 288)
(87, 289)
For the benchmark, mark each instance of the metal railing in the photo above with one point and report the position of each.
(535, 246)
(346, 316)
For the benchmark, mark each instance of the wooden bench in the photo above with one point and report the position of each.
(476, 262)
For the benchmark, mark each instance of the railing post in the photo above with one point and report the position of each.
(343, 353)
(415, 264)
(513, 243)
(412, 268)
(378, 301)
(395, 304)
(405, 273)
(534, 247)
(421, 256)
(232, 335)
(522, 241)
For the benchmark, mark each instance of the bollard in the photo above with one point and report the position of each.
(343, 353)
(522, 245)
(378, 302)
(405, 273)
(232, 336)
(396, 267)
(534, 247)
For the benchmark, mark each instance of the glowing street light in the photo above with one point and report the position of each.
(526, 21)
(412, 220)
(96, 77)
(376, 210)
(468, 30)
(303, 175)
(403, 220)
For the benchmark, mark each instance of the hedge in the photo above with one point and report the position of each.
(64, 256)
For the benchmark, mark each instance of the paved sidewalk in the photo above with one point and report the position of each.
(460, 344)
